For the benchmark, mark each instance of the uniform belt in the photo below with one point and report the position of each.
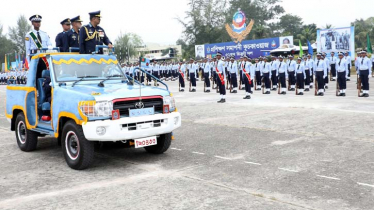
(364, 69)
(300, 72)
(319, 70)
(306, 69)
(341, 71)
(333, 63)
(291, 70)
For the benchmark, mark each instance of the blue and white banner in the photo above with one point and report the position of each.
(252, 48)
(336, 40)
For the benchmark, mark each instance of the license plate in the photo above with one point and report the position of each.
(141, 112)
(145, 142)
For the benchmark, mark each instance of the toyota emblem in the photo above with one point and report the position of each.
(139, 105)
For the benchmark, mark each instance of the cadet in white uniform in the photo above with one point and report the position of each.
(207, 75)
(283, 75)
(364, 70)
(332, 62)
(36, 39)
(181, 73)
(274, 72)
(221, 77)
(266, 74)
(348, 59)
(300, 76)
(342, 74)
(320, 70)
(308, 72)
(233, 69)
(311, 68)
(291, 72)
(248, 73)
(192, 71)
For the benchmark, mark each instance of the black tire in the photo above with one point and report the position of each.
(27, 140)
(78, 151)
(163, 144)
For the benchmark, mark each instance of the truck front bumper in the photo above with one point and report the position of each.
(131, 127)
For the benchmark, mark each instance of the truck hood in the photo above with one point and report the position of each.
(117, 90)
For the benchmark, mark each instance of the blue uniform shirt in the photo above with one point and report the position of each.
(89, 37)
(60, 39)
(72, 40)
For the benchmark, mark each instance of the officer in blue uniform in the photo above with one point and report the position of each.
(60, 38)
(72, 36)
(92, 35)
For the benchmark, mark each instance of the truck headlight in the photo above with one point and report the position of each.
(169, 100)
(103, 108)
(96, 108)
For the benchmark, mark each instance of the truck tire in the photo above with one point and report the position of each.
(163, 144)
(78, 151)
(27, 140)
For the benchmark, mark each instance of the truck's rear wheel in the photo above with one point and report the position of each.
(163, 144)
(78, 151)
(27, 140)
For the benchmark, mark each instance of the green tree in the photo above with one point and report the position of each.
(125, 46)
(7, 46)
(362, 28)
(308, 32)
(18, 33)
(290, 24)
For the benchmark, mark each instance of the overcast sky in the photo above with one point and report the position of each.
(154, 20)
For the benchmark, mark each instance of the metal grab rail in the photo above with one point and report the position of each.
(74, 48)
(98, 47)
(144, 71)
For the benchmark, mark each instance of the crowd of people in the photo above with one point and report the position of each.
(13, 77)
(266, 73)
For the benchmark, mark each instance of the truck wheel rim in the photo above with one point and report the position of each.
(21, 132)
(72, 145)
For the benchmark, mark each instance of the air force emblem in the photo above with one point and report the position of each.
(239, 29)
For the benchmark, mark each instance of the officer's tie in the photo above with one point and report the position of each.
(40, 39)
(317, 63)
(340, 61)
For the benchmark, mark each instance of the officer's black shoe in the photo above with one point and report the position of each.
(292, 89)
(182, 90)
(208, 91)
(343, 94)
(251, 92)
(193, 90)
(283, 93)
(365, 95)
(247, 97)
(300, 94)
(320, 94)
(267, 92)
(274, 89)
(348, 79)
(326, 87)
(221, 101)
(306, 89)
(234, 91)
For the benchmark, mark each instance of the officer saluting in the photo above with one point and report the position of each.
(36, 39)
(60, 38)
(72, 36)
(92, 35)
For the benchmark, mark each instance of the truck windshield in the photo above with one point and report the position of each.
(94, 71)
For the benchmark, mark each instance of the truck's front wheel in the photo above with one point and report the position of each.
(163, 144)
(78, 151)
(26, 139)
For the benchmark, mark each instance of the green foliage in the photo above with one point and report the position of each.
(125, 46)
(18, 33)
(362, 28)
(7, 46)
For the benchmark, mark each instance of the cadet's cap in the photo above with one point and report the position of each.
(245, 56)
(280, 57)
(232, 58)
(95, 14)
(319, 54)
(35, 18)
(346, 52)
(332, 53)
(219, 53)
(340, 53)
(76, 19)
(256, 59)
(191, 59)
(291, 56)
(309, 55)
(299, 58)
(363, 51)
(65, 22)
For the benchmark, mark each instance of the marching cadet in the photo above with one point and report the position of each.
(241, 66)
(247, 71)
(266, 74)
(342, 73)
(311, 66)
(181, 73)
(357, 62)
(364, 70)
(257, 74)
(73, 34)
(274, 72)
(332, 62)
(174, 71)
(320, 70)
(149, 71)
(308, 73)
(328, 70)
(156, 69)
(60, 38)
(207, 75)
(92, 34)
(291, 72)
(300, 76)
(348, 58)
(283, 75)
(221, 77)
(192, 70)
(234, 74)
(36, 39)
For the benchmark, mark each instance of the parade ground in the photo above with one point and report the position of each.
(272, 152)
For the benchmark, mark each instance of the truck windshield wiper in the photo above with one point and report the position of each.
(101, 84)
(81, 79)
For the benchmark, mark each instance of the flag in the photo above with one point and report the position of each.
(301, 50)
(310, 48)
(16, 59)
(25, 63)
(368, 47)
(6, 64)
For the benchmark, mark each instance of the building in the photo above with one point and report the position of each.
(157, 51)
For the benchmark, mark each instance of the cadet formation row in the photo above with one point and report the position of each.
(300, 75)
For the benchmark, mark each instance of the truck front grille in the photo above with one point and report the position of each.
(123, 105)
